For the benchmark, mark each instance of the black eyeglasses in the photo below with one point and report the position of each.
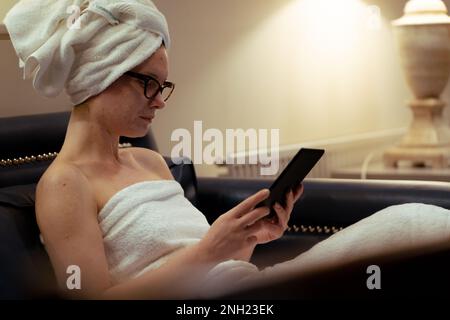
(152, 86)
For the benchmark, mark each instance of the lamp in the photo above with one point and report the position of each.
(423, 40)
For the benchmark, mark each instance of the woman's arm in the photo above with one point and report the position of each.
(66, 213)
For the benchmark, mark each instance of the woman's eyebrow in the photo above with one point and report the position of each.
(153, 75)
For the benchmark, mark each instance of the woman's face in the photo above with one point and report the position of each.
(123, 107)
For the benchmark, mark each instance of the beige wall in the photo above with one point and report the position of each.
(249, 64)
(17, 95)
(5, 5)
(255, 64)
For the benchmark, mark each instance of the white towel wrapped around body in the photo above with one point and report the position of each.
(143, 224)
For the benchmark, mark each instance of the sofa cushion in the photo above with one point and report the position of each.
(14, 260)
(25, 266)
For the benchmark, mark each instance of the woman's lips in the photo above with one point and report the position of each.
(147, 118)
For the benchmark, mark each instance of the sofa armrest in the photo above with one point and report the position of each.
(325, 202)
(327, 205)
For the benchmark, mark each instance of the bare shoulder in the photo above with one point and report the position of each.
(63, 185)
(152, 161)
(61, 174)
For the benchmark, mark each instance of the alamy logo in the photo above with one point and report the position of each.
(74, 280)
(219, 147)
(374, 280)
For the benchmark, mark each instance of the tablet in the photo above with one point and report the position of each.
(291, 177)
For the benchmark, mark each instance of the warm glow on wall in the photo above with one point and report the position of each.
(332, 29)
(314, 69)
(330, 65)
(340, 57)
(334, 26)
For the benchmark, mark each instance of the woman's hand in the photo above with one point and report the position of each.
(274, 228)
(234, 234)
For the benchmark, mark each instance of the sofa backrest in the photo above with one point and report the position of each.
(28, 144)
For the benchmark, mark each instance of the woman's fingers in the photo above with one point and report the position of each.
(250, 219)
(261, 225)
(282, 214)
(254, 215)
(298, 192)
(289, 201)
(249, 203)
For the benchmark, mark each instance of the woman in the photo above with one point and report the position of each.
(118, 214)
(90, 169)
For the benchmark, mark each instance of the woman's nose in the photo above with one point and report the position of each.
(158, 102)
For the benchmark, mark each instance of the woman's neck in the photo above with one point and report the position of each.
(87, 139)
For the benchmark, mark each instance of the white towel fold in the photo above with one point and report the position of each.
(227, 277)
(113, 37)
(145, 223)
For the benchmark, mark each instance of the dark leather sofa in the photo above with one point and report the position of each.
(28, 144)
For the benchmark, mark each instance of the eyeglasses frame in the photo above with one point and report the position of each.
(146, 79)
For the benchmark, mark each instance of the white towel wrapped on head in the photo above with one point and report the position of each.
(113, 37)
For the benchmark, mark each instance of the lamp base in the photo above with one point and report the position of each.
(427, 142)
(437, 157)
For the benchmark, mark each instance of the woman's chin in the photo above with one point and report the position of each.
(138, 133)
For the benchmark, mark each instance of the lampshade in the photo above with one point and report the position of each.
(418, 12)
